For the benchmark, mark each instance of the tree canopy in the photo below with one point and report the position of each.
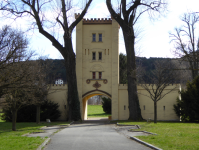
(187, 106)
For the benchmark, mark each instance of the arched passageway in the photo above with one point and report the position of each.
(89, 95)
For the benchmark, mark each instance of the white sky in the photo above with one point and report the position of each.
(154, 38)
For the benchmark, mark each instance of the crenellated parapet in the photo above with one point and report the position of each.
(77, 15)
(58, 86)
(95, 20)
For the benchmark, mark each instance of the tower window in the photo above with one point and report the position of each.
(100, 37)
(100, 75)
(94, 37)
(93, 75)
(163, 107)
(94, 56)
(100, 55)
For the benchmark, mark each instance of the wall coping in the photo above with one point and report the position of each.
(139, 87)
(92, 21)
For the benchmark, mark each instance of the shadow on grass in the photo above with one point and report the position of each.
(26, 126)
(144, 121)
(99, 115)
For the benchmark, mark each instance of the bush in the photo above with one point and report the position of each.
(27, 113)
(106, 105)
(188, 107)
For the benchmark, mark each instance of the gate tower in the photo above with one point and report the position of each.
(97, 61)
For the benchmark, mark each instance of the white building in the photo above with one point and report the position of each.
(59, 81)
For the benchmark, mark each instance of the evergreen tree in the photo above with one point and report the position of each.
(188, 106)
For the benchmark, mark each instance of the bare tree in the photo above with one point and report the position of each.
(20, 92)
(13, 45)
(184, 74)
(16, 74)
(186, 42)
(41, 87)
(127, 17)
(158, 80)
(31, 89)
(60, 12)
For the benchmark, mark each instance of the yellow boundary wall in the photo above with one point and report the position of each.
(58, 94)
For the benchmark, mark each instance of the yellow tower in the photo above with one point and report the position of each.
(97, 70)
(97, 61)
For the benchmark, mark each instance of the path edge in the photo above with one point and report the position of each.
(44, 144)
(140, 141)
(145, 143)
(48, 140)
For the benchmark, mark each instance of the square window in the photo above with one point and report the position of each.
(93, 55)
(93, 73)
(100, 37)
(94, 37)
(100, 75)
(100, 55)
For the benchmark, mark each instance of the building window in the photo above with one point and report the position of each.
(93, 75)
(163, 107)
(100, 37)
(94, 56)
(100, 55)
(100, 75)
(94, 38)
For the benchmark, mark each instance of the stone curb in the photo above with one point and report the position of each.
(145, 143)
(43, 144)
(140, 141)
(128, 125)
(125, 125)
(144, 132)
(48, 139)
(71, 123)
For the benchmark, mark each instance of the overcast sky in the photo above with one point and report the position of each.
(154, 40)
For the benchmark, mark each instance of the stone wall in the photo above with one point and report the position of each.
(58, 93)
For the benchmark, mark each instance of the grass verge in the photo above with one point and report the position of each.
(96, 111)
(170, 135)
(0, 117)
(14, 140)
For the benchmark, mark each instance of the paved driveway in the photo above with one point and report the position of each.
(92, 136)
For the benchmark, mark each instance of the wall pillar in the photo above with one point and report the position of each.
(115, 69)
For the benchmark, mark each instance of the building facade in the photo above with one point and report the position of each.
(97, 70)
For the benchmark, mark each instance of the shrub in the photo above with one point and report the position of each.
(188, 107)
(106, 105)
(27, 113)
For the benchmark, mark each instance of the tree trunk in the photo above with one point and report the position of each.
(73, 98)
(38, 114)
(155, 111)
(134, 107)
(14, 119)
(194, 69)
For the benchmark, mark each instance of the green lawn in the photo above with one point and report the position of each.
(13, 140)
(171, 136)
(96, 111)
(0, 117)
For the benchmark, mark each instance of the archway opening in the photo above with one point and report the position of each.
(94, 110)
